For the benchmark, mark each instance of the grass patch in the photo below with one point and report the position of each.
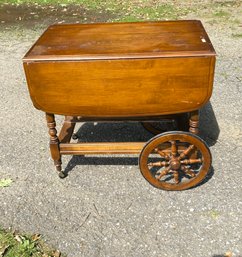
(42, 1)
(126, 9)
(13, 244)
(5, 183)
(226, 3)
(221, 14)
(151, 11)
(129, 18)
(90, 3)
(238, 35)
(160, 12)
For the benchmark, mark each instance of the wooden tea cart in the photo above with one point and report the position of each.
(144, 71)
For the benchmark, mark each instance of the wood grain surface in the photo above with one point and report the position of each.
(122, 40)
(121, 88)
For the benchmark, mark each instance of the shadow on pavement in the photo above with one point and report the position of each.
(207, 178)
(88, 160)
(209, 129)
(134, 132)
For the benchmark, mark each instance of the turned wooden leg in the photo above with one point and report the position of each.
(54, 142)
(194, 122)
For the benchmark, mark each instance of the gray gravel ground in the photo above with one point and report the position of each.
(105, 207)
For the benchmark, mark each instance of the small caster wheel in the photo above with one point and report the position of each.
(175, 160)
(62, 174)
(74, 136)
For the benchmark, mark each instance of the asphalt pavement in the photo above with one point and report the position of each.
(105, 207)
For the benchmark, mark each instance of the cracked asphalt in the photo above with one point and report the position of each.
(105, 207)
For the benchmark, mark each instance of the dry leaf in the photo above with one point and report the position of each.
(18, 238)
(36, 237)
(4, 250)
(228, 254)
(57, 253)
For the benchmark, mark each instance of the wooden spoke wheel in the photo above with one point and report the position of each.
(178, 122)
(175, 160)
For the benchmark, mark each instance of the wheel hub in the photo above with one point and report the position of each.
(175, 164)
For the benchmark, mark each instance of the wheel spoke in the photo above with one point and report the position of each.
(162, 154)
(158, 164)
(176, 177)
(186, 152)
(163, 173)
(191, 173)
(174, 151)
(191, 161)
(188, 171)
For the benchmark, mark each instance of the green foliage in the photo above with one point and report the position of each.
(238, 35)
(160, 12)
(25, 248)
(17, 246)
(91, 3)
(5, 182)
(129, 18)
(221, 14)
(129, 10)
(13, 244)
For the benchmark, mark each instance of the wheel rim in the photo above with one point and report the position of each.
(175, 160)
(158, 127)
(178, 122)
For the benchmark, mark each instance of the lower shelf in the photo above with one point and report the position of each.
(101, 148)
